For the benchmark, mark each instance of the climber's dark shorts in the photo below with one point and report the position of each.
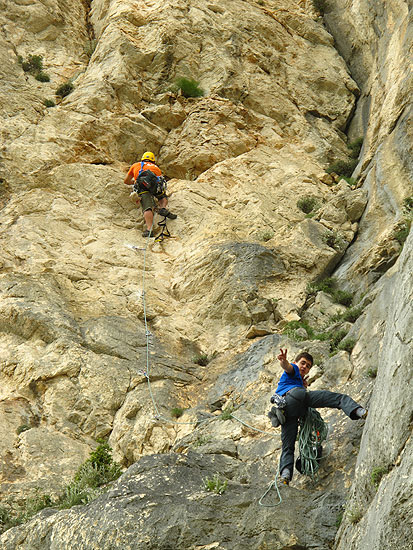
(148, 201)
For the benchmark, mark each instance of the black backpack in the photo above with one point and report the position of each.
(148, 181)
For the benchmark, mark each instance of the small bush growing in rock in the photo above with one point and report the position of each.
(408, 204)
(307, 204)
(292, 327)
(347, 344)
(403, 231)
(372, 372)
(342, 167)
(227, 413)
(42, 77)
(377, 473)
(33, 65)
(215, 485)
(334, 240)
(355, 147)
(65, 89)
(22, 428)
(350, 315)
(49, 103)
(326, 285)
(342, 297)
(202, 440)
(337, 336)
(189, 87)
(354, 514)
(201, 359)
(177, 412)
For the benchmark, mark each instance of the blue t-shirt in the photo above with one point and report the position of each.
(289, 381)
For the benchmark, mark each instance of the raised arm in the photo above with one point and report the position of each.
(282, 358)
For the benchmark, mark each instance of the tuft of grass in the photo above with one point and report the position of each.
(342, 167)
(202, 440)
(350, 315)
(326, 285)
(49, 103)
(355, 147)
(201, 359)
(23, 428)
(335, 240)
(188, 87)
(347, 344)
(329, 286)
(65, 89)
(408, 205)
(308, 204)
(343, 297)
(215, 485)
(377, 473)
(33, 64)
(402, 231)
(74, 495)
(354, 514)
(372, 372)
(339, 519)
(227, 413)
(42, 77)
(89, 482)
(265, 236)
(177, 412)
(291, 328)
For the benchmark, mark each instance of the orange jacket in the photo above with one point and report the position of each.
(136, 168)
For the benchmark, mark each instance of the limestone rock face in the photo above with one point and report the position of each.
(386, 449)
(384, 117)
(102, 331)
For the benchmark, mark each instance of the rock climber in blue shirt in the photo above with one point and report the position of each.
(292, 386)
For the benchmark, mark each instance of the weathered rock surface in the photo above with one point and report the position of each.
(92, 348)
(386, 341)
(135, 514)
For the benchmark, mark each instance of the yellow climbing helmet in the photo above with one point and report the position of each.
(148, 156)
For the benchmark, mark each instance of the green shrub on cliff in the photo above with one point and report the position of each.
(89, 482)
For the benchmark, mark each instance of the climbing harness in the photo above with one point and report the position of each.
(313, 431)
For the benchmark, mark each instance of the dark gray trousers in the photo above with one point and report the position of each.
(298, 400)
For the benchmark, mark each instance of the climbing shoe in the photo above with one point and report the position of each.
(285, 477)
(277, 416)
(146, 233)
(165, 212)
(361, 413)
(273, 417)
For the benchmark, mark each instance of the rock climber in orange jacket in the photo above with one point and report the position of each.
(149, 184)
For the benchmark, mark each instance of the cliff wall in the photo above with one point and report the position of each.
(285, 92)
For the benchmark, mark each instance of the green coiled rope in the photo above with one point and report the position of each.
(313, 431)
